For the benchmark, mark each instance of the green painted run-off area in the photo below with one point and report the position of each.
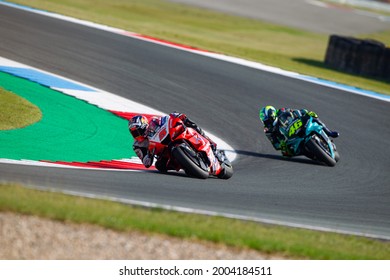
(70, 129)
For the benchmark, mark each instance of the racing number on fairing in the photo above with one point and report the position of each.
(162, 134)
(294, 127)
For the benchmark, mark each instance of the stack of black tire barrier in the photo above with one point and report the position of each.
(363, 57)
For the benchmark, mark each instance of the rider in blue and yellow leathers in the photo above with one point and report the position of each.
(269, 117)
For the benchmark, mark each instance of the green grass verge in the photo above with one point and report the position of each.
(280, 46)
(288, 242)
(16, 112)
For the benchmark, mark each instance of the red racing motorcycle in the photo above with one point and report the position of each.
(176, 147)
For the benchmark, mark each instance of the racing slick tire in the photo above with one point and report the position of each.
(190, 163)
(319, 153)
(227, 171)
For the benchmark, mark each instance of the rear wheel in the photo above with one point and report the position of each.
(319, 153)
(189, 160)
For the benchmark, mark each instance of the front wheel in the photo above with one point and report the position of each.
(227, 171)
(336, 153)
(319, 153)
(190, 162)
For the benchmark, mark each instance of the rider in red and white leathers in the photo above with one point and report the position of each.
(140, 128)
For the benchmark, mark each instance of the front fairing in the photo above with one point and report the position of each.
(202, 145)
(318, 134)
(298, 132)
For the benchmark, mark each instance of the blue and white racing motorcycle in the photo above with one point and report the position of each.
(304, 136)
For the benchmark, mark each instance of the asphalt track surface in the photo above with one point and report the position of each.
(224, 99)
(310, 15)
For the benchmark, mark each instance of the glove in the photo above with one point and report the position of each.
(312, 114)
(147, 161)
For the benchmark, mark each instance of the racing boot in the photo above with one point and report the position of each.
(286, 152)
(220, 155)
(212, 143)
